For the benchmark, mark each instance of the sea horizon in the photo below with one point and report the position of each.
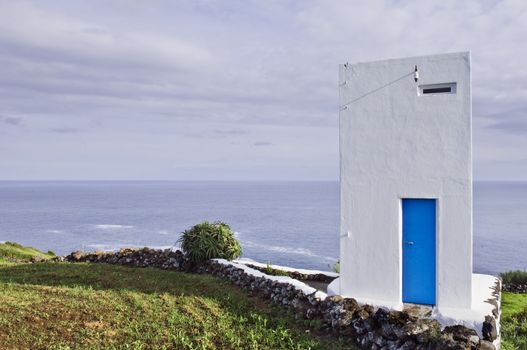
(285, 222)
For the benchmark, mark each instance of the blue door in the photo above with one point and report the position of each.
(419, 251)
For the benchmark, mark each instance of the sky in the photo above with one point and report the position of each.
(232, 90)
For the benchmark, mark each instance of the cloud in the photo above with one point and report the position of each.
(229, 132)
(512, 121)
(14, 121)
(64, 130)
(220, 72)
(34, 31)
(262, 143)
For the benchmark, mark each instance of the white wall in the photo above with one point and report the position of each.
(396, 144)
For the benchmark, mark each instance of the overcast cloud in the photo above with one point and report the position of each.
(232, 89)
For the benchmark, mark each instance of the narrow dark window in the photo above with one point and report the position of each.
(437, 90)
(434, 89)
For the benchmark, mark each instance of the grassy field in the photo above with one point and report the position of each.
(99, 306)
(514, 321)
(14, 252)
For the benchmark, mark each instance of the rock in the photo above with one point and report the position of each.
(349, 332)
(335, 299)
(473, 340)
(311, 313)
(315, 277)
(515, 288)
(414, 329)
(346, 317)
(77, 255)
(37, 259)
(485, 345)
(378, 339)
(350, 305)
(363, 321)
(388, 331)
(462, 334)
(489, 329)
(171, 263)
(408, 345)
(363, 312)
(364, 342)
(383, 318)
(382, 315)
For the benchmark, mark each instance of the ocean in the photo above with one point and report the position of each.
(285, 223)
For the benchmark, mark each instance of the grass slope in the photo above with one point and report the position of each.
(514, 321)
(14, 252)
(99, 306)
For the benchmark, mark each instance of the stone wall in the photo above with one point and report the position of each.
(316, 277)
(367, 327)
(515, 288)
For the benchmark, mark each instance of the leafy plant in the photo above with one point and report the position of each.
(210, 241)
(269, 268)
(514, 277)
(336, 267)
(274, 272)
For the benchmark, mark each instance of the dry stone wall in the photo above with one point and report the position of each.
(367, 327)
(515, 288)
(316, 277)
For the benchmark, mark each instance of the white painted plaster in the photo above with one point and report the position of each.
(282, 279)
(482, 291)
(334, 287)
(473, 317)
(286, 268)
(396, 143)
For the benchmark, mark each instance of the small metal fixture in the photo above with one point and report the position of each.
(416, 74)
(346, 235)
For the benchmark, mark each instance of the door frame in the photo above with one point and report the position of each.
(437, 241)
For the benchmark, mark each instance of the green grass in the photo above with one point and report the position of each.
(514, 321)
(100, 306)
(14, 252)
(514, 277)
(274, 272)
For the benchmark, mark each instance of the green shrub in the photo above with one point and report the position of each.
(269, 270)
(210, 241)
(14, 244)
(335, 267)
(514, 277)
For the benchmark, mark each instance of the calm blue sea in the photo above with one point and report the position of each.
(287, 223)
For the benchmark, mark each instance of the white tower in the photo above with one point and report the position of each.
(406, 181)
